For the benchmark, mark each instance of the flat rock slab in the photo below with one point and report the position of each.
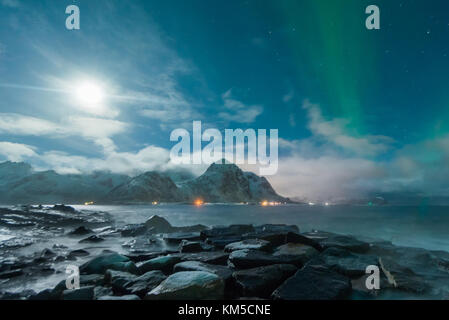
(314, 283)
(213, 257)
(345, 242)
(177, 237)
(113, 261)
(229, 231)
(245, 259)
(189, 285)
(163, 263)
(295, 253)
(223, 272)
(347, 263)
(84, 293)
(190, 246)
(262, 281)
(256, 244)
(125, 297)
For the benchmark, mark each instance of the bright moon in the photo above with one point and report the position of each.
(89, 93)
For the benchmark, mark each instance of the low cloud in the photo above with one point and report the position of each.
(16, 151)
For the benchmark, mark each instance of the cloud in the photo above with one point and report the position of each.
(334, 131)
(96, 130)
(237, 111)
(16, 151)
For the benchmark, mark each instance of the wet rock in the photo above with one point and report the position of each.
(106, 261)
(403, 278)
(46, 294)
(100, 292)
(232, 230)
(64, 208)
(256, 244)
(190, 246)
(158, 225)
(91, 279)
(134, 230)
(213, 257)
(277, 228)
(92, 239)
(295, 253)
(262, 281)
(314, 283)
(126, 297)
(189, 285)
(22, 295)
(11, 274)
(223, 272)
(84, 293)
(163, 263)
(118, 280)
(222, 242)
(141, 285)
(345, 242)
(347, 263)
(177, 237)
(77, 253)
(47, 253)
(80, 231)
(245, 259)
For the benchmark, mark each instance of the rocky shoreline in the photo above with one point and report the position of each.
(271, 261)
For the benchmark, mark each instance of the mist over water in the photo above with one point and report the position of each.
(415, 226)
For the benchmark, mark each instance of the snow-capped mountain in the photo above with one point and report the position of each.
(228, 183)
(19, 183)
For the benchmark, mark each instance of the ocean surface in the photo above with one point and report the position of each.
(423, 227)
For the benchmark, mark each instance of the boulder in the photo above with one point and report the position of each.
(145, 283)
(314, 282)
(163, 263)
(347, 263)
(232, 230)
(118, 280)
(112, 261)
(189, 285)
(295, 253)
(245, 259)
(133, 230)
(222, 242)
(213, 257)
(80, 231)
(345, 242)
(92, 239)
(256, 244)
(177, 237)
(158, 224)
(190, 246)
(84, 293)
(277, 228)
(262, 281)
(223, 272)
(126, 297)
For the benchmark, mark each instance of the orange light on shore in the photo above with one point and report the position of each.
(264, 203)
(198, 202)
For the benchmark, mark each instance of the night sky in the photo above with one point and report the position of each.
(358, 111)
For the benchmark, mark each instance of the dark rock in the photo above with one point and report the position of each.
(118, 280)
(221, 242)
(84, 293)
(277, 228)
(100, 292)
(64, 208)
(126, 297)
(262, 281)
(214, 257)
(46, 294)
(145, 283)
(232, 230)
(403, 278)
(295, 253)
(345, 242)
(163, 263)
(245, 259)
(314, 283)
(92, 239)
(112, 261)
(347, 263)
(177, 237)
(77, 253)
(189, 285)
(47, 253)
(190, 246)
(223, 272)
(11, 274)
(256, 244)
(80, 231)
(134, 230)
(91, 279)
(158, 225)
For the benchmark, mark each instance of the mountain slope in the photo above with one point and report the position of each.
(228, 183)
